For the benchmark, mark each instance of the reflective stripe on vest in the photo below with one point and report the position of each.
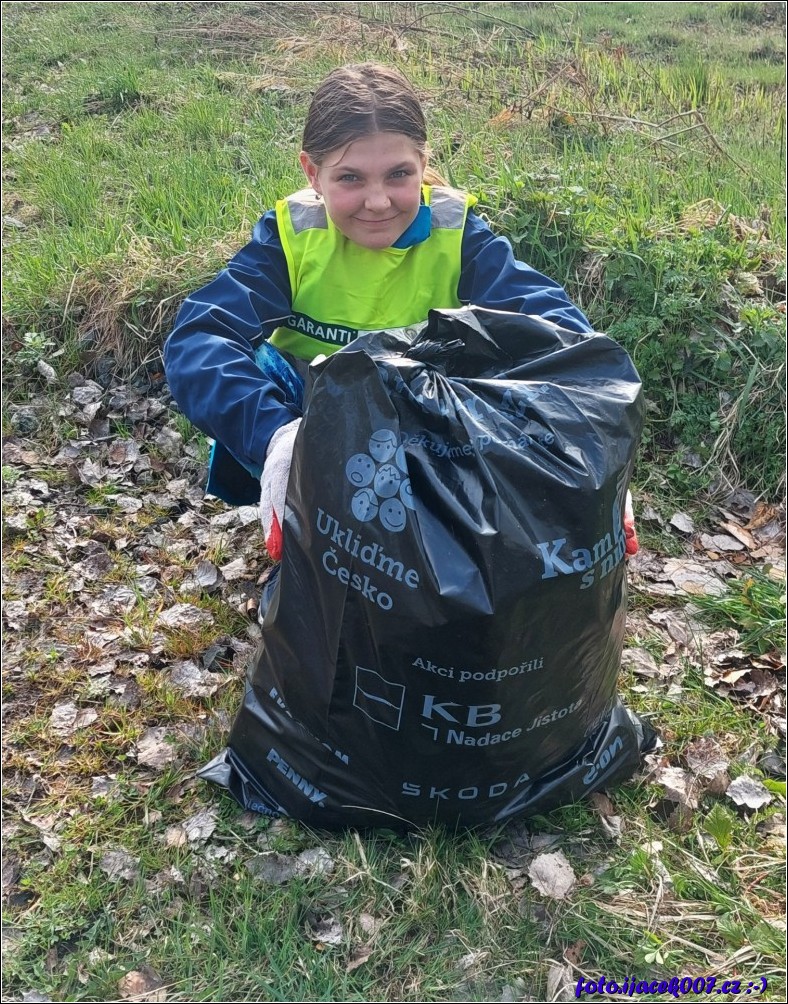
(340, 288)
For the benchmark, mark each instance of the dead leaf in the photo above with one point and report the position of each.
(679, 624)
(16, 614)
(192, 681)
(116, 600)
(12, 869)
(764, 515)
(559, 982)
(195, 830)
(272, 867)
(91, 473)
(126, 503)
(369, 925)
(748, 792)
(692, 577)
(679, 785)
(612, 824)
(169, 443)
(552, 875)
(142, 984)
(103, 787)
(741, 535)
(705, 758)
(67, 718)
(153, 750)
(574, 954)
(720, 542)
(682, 522)
(315, 861)
(280, 868)
(326, 931)
(640, 662)
(185, 616)
(120, 866)
(234, 570)
(205, 576)
(358, 956)
(87, 393)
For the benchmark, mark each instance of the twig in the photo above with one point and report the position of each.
(721, 149)
(679, 115)
(678, 132)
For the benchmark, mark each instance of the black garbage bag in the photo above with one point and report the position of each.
(442, 640)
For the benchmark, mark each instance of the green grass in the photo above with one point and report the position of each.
(754, 605)
(162, 151)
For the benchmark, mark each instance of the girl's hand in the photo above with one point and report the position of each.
(273, 486)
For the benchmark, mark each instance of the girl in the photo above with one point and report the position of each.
(368, 246)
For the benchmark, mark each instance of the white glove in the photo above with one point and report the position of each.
(273, 485)
(632, 546)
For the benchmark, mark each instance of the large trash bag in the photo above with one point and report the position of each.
(442, 640)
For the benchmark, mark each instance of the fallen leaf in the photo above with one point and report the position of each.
(679, 624)
(16, 614)
(742, 535)
(694, 578)
(369, 925)
(198, 828)
(272, 867)
(679, 786)
(192, 681)
(720, 542)
(471, 960)
(120, 865)
(87, 393)
(234, 570)
(185, 616)
(707, 761)
(12, 869)
(326, 931)
(552, 875)
(142, 984)
(559, 982)
(103, 787)
(205, 576)
(706, 758)
(153, 750)
(67, 718)
(358, 956)
(748, 792)
(640, 662)
(314, 861)
(612, 824)
(682, 522)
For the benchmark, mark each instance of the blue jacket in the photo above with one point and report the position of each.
(213, 356)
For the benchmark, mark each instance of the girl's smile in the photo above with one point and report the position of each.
(371, 188)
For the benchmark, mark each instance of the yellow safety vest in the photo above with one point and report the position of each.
(340, 289)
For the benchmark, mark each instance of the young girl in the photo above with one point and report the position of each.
(367, 246)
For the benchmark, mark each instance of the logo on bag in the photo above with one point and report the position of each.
(380, 477)
(379, 699)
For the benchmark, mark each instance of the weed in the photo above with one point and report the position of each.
(753, 604)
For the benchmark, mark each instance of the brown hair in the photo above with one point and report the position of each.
(360, 99)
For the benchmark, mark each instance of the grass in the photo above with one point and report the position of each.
(636, 157)
(584, 149)
(755, 605)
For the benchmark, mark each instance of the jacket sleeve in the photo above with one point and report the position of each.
(492, 277)
(209, 357)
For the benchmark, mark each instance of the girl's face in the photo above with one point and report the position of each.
(371, 188)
